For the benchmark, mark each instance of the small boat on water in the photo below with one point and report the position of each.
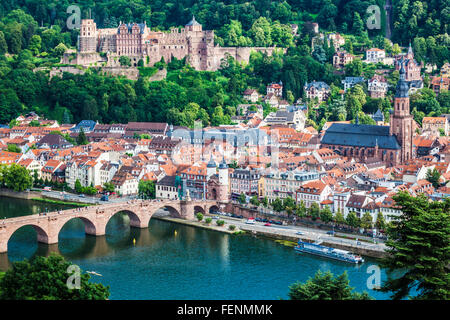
(319, 250)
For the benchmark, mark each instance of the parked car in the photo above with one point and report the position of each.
(299, 233)
(82, 196)
(331, 233)
(267, 224)
(278, 222)
(264, 220)
(258, 219)
(240, 216)
(104, 198)
(216, 217)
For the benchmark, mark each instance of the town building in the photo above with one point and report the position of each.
(317, 90)
(285, 184)
(375, 55)
(350, 82)
(439, 84)
(411, 66)
(275, 88)
(342, 58)
(312, 192)
(166, 188)
(295, 119)
(377, 86)
(251, 95)
(435, 125)
(244, 181)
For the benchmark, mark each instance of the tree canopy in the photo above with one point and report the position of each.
(325, 286)
(46, 279)
(419, 249)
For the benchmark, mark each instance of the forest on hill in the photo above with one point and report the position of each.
(33, 34)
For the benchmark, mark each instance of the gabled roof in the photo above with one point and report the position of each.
(360, 135)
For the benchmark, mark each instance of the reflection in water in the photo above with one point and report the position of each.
(191, 264)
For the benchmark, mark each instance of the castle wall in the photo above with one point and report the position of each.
(132, 41)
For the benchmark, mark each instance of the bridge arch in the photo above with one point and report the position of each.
(89, 226)
(199, 209)
(136, 220)
(212, 208)
(42, 235)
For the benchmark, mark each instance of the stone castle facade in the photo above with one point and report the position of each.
(138, 41)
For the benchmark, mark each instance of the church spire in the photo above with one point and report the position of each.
(402, 90)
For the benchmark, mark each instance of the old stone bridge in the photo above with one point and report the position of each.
(96, 218)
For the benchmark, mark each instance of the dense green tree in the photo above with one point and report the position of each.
(314, 211)
(13, 148)
(352, 220)
(354, 68)
(15, 177)
(242, 198)
(325, 286)
(81, 138)
(339, 217)
(326, 215)
(301, 210)
(254, 201)
(366, 221)
(380, 223)
(125, 61)
(78, 186)
(418, 246)
(358, 24)
(3, 44)
(147, 189)
(433, 176)
(277, 205)
(46, 279)
(108, 187)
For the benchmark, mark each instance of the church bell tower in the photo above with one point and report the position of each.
(401, 125)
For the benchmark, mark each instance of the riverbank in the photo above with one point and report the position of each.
(369, 250)
(28, 195)
(201, 224)
(46, 200)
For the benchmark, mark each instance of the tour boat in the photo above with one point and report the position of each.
(319, 250)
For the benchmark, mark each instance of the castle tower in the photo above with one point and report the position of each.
(193, 25)
(223, 173)
(401, 124)
(211, 168)
(88, 36)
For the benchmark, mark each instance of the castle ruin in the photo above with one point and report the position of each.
(138, 42)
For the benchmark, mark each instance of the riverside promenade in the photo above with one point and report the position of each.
(289, 233)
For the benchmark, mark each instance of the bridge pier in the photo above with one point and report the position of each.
(98, 230)
(138, 223)
(3, 246)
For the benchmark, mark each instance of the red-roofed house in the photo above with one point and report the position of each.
(314, 191)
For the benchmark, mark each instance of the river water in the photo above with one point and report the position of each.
(173, 261)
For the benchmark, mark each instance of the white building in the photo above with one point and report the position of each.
(375, 55)
(285, 184)
(313, 192)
